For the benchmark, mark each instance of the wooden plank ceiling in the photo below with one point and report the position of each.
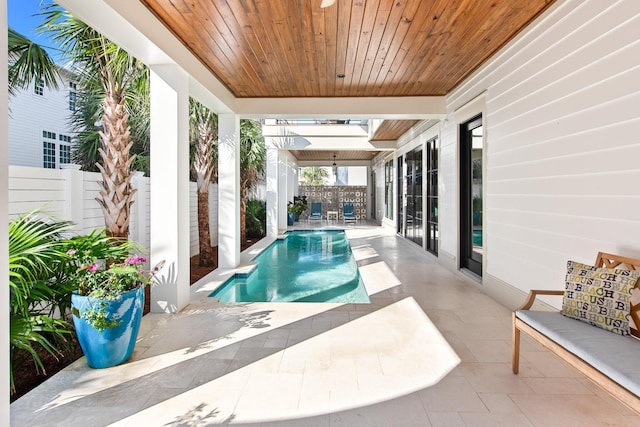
(294, 48)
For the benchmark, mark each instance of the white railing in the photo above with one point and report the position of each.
(70, 194)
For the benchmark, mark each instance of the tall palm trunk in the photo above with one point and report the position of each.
(116, 191)
(246, 178)
(206, 250)
(243, 219)
(203, 166)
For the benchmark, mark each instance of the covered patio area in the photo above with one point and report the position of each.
(430, 350)
(527, 113)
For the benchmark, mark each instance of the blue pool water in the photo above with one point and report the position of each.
(477, 237)
(307, 266)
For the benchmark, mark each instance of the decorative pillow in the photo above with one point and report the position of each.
(599, 296)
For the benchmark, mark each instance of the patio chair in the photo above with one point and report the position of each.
(347, 212)
(316, 210)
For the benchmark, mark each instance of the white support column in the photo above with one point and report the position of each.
(4, 220)
(74, 195)
(170, 186)
(140, 207)
(228, 191)
(273, 207)
(283, 190)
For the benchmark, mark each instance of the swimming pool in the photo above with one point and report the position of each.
(306, 266)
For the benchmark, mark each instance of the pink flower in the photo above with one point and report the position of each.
(93, 268)
(136, 259)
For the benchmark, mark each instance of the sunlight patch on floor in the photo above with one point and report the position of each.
(379, 356)
(363, 252)
(378, 277)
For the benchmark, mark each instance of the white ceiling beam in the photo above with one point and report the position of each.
(396, 108)
(384, 145)
(329, 163)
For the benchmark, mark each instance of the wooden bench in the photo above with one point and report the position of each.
(610, 360)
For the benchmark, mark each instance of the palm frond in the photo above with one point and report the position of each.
(29, 62)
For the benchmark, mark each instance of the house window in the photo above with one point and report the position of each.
(38, 87)
(388, 189)
(50, 146)
(65, 153)
(48, 155)
(73, 96)
(65, 149)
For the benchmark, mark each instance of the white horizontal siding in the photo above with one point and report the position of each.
(561, 150)
(25, 133)
(448, 189)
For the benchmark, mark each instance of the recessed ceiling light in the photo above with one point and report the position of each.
(341, 76)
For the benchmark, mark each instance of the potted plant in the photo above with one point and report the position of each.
(299, 206)
(291, 213)
(107, 304)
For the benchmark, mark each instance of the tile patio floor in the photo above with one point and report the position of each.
(430, 350)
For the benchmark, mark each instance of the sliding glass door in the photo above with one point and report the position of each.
(471, 227)
(400, 196)
(431, 173)
(414, 230)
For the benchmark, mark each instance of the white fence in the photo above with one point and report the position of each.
(70, 194)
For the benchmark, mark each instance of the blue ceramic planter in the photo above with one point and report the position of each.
(112, 346)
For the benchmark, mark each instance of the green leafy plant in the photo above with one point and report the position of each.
(45, 266)
(298, 206)
(36, 252)
(256, 218)
(105, 280)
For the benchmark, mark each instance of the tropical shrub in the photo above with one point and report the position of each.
(36, 250)
(256, 218)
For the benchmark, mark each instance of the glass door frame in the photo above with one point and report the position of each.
(470, 258)
(414, 212)
(431, 186)
(400, 196)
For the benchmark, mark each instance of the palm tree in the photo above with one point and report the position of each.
(314, 175)
(106, 68)
(86, 123)
(203, 135)
(29, 62)
(252, 162)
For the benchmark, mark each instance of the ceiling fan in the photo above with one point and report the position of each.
(327, 3)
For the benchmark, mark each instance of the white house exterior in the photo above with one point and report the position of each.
(559, 106)
(39, 130)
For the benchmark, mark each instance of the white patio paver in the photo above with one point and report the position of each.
(410, 358)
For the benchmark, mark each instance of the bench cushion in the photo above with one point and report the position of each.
(616, 356)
